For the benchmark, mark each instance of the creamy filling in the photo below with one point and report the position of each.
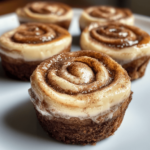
(122, 56)
(32, 52)
(67, 113)
(105, 103)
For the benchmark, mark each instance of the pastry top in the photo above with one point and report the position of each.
(82, 84)
(104, 14)
(34, 41)
(45, 12)
(123, 43)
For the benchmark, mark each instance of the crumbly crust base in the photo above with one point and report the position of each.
(76, 131)
(20, 69)
(136, 69)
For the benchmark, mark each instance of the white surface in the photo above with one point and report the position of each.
(19, 127)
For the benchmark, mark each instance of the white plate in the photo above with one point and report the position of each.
(19, 127)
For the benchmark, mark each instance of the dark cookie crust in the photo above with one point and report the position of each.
(76, 131)
(21, 71)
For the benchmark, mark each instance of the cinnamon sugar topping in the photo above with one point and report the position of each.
(122, 42)
(47, 8)
(109, 13)
(105, 14)
(34, 33)
(117, 35)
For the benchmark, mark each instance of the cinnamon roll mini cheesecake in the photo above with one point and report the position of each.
(128, 45)
(46, 12)
(80, 97)
(103, 14)
(23, 48)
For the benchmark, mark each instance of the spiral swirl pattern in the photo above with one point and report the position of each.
(109, 13)
(116, 35)
(79, 75)
(47, 8)
(124, 43)
(35, 33)
(46, 12)
(84, 82)
(104, 14)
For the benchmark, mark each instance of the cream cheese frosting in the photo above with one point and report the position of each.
(35, 51)
(55, 84)
(122, 54)
(44, 12)
(103, 14)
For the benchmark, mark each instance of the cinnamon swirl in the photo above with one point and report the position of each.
(80, 97)
(46, 12)
(128, 45)
(23, 48)
(103, 14)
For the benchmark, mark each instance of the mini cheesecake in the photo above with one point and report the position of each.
(25, 47)
(80, 97)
